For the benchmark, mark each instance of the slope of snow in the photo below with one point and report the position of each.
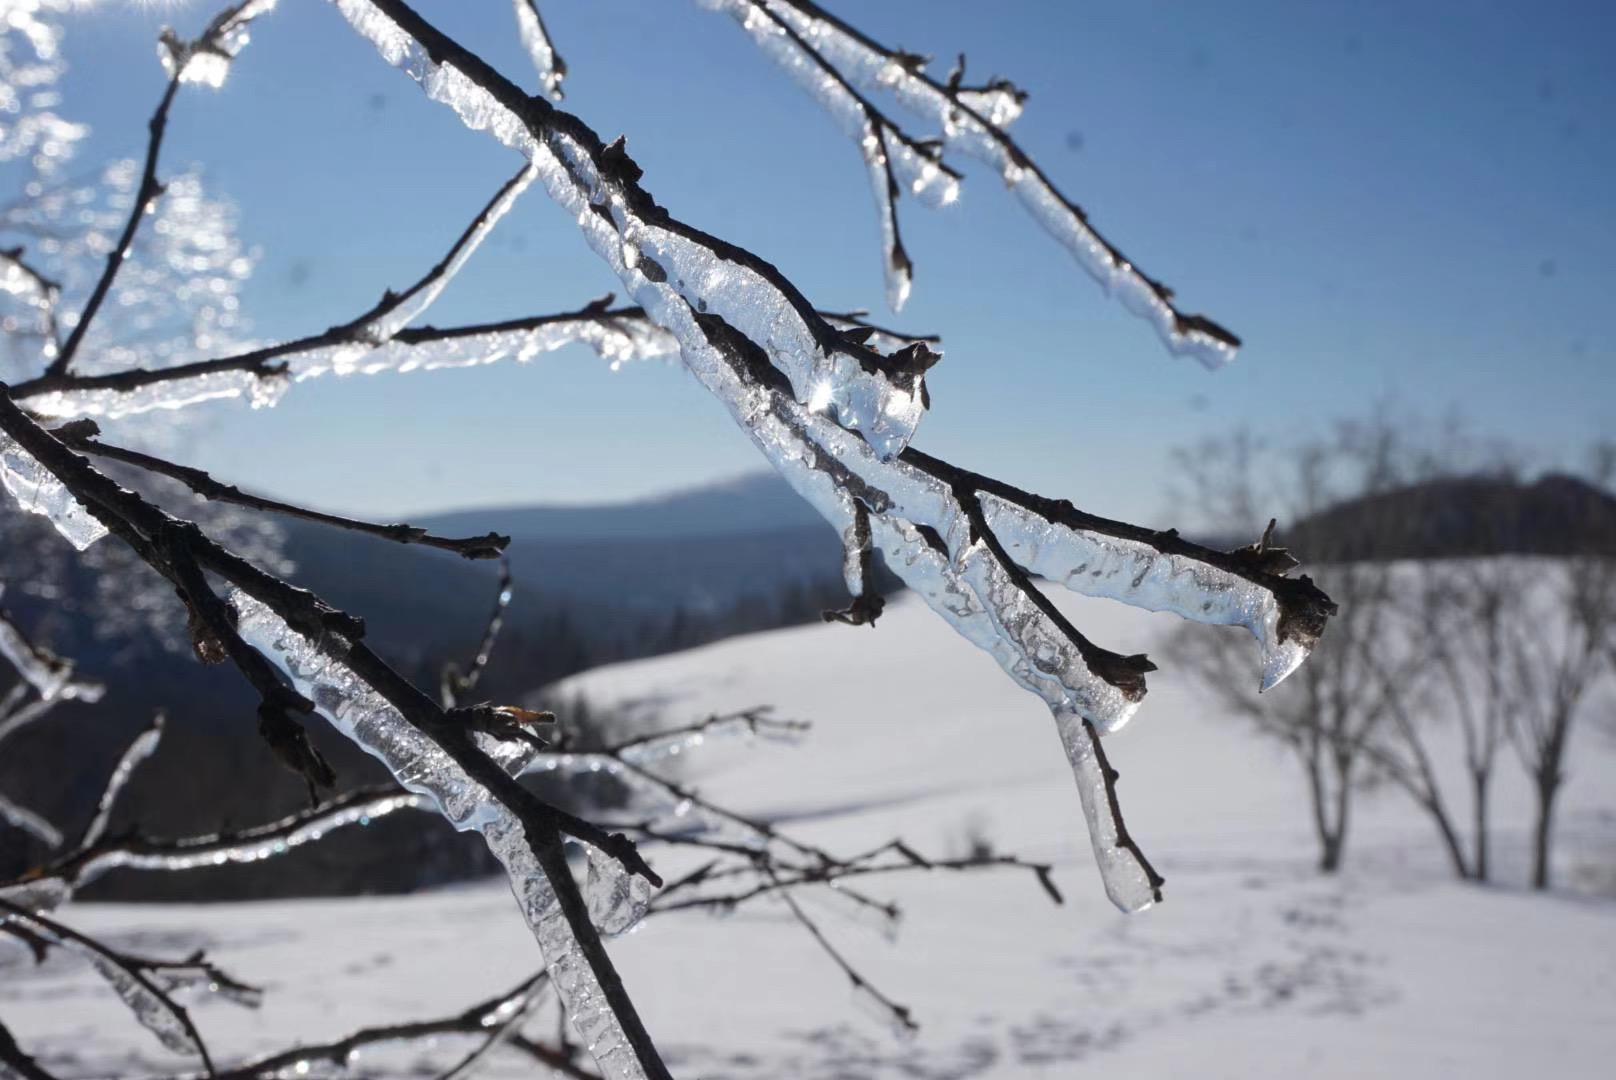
(1254, 966)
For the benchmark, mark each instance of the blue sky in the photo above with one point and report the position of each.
(1384, 199)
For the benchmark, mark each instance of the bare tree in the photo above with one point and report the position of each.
(1557, 655)
(1330, 715)
(831, 401)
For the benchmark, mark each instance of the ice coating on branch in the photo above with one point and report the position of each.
(421, 766)
(838, 435)
(162, 1018)
(618, 339)
(29, 822)
(896, 165)
(41, 894)
(206, 61)
(413, 304)
(36, 490)
(261, 391)
(154, 1014)
(1000, 104)
(1138, 574)
(1126, 881)
(536, 40)
(617, 899)
(141, 748)
(249, 846)
(972, 132)
(666, 267)
(44, 671)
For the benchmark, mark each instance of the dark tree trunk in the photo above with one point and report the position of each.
(1548, 788)
(1480, 780)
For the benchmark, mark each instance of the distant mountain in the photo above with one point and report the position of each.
(613, 571)
(754, 503)
(592, 585)
(1460, 516)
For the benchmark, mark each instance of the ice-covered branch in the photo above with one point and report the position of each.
(20, 817)
(136, 981)
(141, 747)
(83, 435)
(858, 571)
(619, 335)
(967, 545)
(205, 60)
(890, 154)
(145, 195)
(395, 311)
(453, 684)
(438, 754)
(57, 882)
(495, 1021)
(665, 263)
(50, 676)
(972, 120)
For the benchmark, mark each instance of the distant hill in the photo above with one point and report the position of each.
(615, 573)
(1463, 516)
(754, 503)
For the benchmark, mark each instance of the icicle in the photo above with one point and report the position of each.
(1127, 881)
(617, 899)
(37, 491)
(536, 39)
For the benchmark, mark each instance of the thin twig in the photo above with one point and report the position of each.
(82, 435)
(145, 195)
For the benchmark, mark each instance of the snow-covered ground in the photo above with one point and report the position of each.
(1254, 966)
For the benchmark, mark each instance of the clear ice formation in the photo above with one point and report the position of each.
(21, 817)
(412, 305)
(546, 61)
(36, 490)
(206, 61)
(970, 124)
(616, 339)
(664, 264)
(138, 750)
(137, 991)
(882, 146)
(837, 436)
(617, 899)
(421, 766)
